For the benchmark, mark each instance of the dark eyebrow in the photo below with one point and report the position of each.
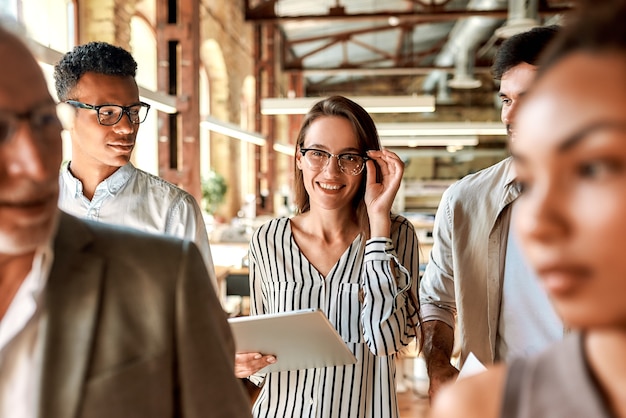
(583, 133)
(39, 105)
(323, 148)
(315, 146)
(501, 94)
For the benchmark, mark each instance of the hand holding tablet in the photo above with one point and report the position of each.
(302, 339)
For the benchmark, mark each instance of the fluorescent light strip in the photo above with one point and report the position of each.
(421, 141)
(373, 104)
(285, 149)
(442, 152)
(232, 130)
(441, 129)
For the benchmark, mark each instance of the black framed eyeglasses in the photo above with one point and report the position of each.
(110, 114)
(42, 119)
(349, 163)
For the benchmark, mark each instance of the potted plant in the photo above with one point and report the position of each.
(213, 191)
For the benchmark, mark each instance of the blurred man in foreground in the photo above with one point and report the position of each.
(95, 321)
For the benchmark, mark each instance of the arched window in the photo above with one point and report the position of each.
(205, 109)
(143, 47)
(52, 23)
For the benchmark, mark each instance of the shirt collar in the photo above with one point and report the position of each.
(118, 179)
(28, 297)
(70, 179)
(511, 174)
(512, 188)
(113, 183)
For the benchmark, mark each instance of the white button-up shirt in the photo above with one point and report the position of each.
(20, 361)
(134, 198)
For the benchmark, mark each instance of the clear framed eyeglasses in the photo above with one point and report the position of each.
(110, 114)
(349, 163)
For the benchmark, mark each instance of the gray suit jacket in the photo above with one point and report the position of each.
(132, 328)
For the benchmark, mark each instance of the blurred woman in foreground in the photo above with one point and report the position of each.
(570, 156)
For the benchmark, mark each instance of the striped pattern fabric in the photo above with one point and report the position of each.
(367, 305)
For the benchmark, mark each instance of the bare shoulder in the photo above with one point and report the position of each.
(477, 396)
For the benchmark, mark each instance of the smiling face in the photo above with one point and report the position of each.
(513, 85)
(329, 187)
(30, 157)
(571, 161)
(98, 148)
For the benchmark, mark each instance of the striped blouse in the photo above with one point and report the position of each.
(363, 300)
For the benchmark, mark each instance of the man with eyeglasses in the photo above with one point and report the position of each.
(477, 279)
(100, 182)
(95, 320)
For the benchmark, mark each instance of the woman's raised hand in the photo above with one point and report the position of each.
(379, 196)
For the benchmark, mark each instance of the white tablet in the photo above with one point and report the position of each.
(302, 339)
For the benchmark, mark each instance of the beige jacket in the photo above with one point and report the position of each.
(132, 328)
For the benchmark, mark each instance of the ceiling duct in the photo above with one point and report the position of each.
(465, 36)
(464, 71)
(443, 90)
(523, 16)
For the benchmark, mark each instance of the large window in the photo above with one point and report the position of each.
(143, 48)
(49, 22)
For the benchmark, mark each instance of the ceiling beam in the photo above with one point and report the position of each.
(343, 34)
(391, 71)
(267, 15)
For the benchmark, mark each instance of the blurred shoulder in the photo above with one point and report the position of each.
(114, 239)
(146, 266)
(478, 396)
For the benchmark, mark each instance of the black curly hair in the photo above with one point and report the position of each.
(97, 57)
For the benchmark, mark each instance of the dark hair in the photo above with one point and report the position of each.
(594, 27)
(522, 47)
(96, 57)
(367, 139)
